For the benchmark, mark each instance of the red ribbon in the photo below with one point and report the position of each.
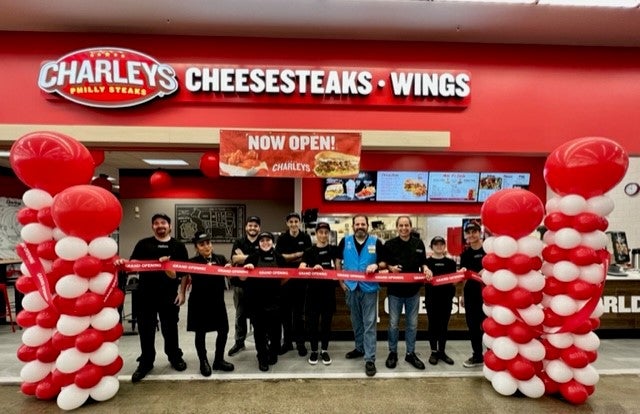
(29, 256)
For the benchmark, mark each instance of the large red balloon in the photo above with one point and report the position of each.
(587, 166)
(512, 212)
(46, 389)
(86, 211)
(209, 164)
(160, 180)
(51, 161)
(87, 266)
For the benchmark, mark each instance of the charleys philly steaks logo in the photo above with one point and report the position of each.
(107, 77)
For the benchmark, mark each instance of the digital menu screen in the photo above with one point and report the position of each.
(405, 186)
(490, 182)
(361, 188)
(453, 186)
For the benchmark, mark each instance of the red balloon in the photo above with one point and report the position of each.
(62, 267)
(587, 166)
(27, 353)
(575, 357)
(588, 222)
(47, 353)
(47, 318)
(26, 319)
(553, 286)
(519, 298)
(209, 164)
(86, 211)
(521, 369)
(574, 392)
(595, 323)
(89, 303)
(27, 215)
(113, 334)
(520, 263)
(47, 250)
(493, 362)
(493, 296)
(88, 376)
(51, 161)
(590, 389)
(44, 217)
(89, 340)
(592, 355)
(28, 388)
(581, 290)
(513, 211)
(492, 262)
(114, 367)
(65, 305)
(115, 299)
(557, 220)
(97, 156)
(493, 328)
(550, 386)
(160, 180)
(583, 328)
(62, 342)
(25, 284)
(536, 297)
(583, 256)
(61, 379)
(87, 266)
(520, 332)
(604, 255)
(551, 318)
(46, 389)
(551, 352)
(554, 254)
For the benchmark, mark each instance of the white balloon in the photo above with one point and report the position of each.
(572, 204)
(34, 302)
(105, 389)
(505, 348)
(532, 350)
(563, 305)
(24, 270)
(553, 205)
(106, 354)
(71, 248)
(533, 281)
(505, 246)
(35, 371)
(593, 273)
(103, 248)
(488, 372)
(587, 375)
(503, 315)
(36, 233)
(532, 388)
(560, 340)
(568, 238)
(37, 199)
(487, 244)
(596, 239)
(487, 277)
(488, 310)
(36, 335)
(549, 237)
(530, 246)
(533, 315)
(547, 268)
(100, 282)
(504, 383)
(598, 311)
(588, 341)
(106, 319)
(58, 234)
(72, 325)
(559, 371)
(47, 265)
(600, 205)
(70, 360)
(565, 271)
(72, 286)
(504, 280)
(546, 300)
(487, 340)
(72, 397)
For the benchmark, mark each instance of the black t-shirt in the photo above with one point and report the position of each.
(472, 259)
(411, 255)
(442, 266)
(263, 293)
(247, 247)
(289, 244)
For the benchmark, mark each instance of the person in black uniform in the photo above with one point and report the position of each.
(320, 303)
(439, 301)
(242, 247)
(471, 259)
(158, 297)
(263, 302)
(291, 245)
(207, 311)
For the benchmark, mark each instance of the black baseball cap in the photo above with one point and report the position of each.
(437, 239)
(323, 225)
(160, 216)
(266, 234)
(292, 214)
(472, 225)
(200, 237)
(254, 219)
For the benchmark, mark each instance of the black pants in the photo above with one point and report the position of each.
(266, 332)
(147, 317)
(201, 345)
(319, 326)
(439, 302)
(292, 311)
(474, 315)
(241, 319)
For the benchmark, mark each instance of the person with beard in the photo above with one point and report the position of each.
(362, 253)
(241, 249)
(207, 311)
(263, 302)
(439, 301)
(291, 245)
(158, 297)
(321, 294)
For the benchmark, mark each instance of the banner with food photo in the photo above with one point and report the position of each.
(363, 187)
(294, 154)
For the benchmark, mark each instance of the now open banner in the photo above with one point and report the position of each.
(297, 154)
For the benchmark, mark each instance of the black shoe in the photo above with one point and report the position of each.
(223, 365)
(302, 350)
(179, 364)
(326, 359)
(370, 368)
(433, 358)
(237, 347)
(356, 353)
(140, 373)
(473, 362)
(205, 368)
(413, 359)
(445, 358)
(273, 359)
(286, 347)
(392, 360)
(263, 366)
(313, 357)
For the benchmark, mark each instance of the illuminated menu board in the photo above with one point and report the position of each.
(490, 182)
(453, 186)
(409, 186)
(361, 188)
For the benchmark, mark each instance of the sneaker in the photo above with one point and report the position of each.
(433, 358)
(392, 360)
(302, 350)
(313, 357)
(223, 365)
(179, 364)
(237, 347)
(413, 359)
(370, 368)
(356, 353)
(286, 347)
(473, 362)
(263, 366)
(326, 359)
(205, 368)
(444, 357)
(140, 373)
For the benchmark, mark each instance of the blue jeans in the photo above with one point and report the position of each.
(364, 317)
(411, 307)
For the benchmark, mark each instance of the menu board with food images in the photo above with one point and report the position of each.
(453, 186)
(490, 182)
(361, 188)
(402, 186)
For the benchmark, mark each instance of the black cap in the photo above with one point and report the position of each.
(437, 239)
(160, 216)
(200, 237)
(254, 219)
(265, 234)
(323, 225)
(292, 214)
(472, 225)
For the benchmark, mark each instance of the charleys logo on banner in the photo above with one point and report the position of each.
(107, 77)
(289, 154)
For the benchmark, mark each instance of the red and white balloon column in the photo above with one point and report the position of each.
(70, 306)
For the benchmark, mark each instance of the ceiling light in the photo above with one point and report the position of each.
(4, 153)
(165, 162)
(590, 3)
